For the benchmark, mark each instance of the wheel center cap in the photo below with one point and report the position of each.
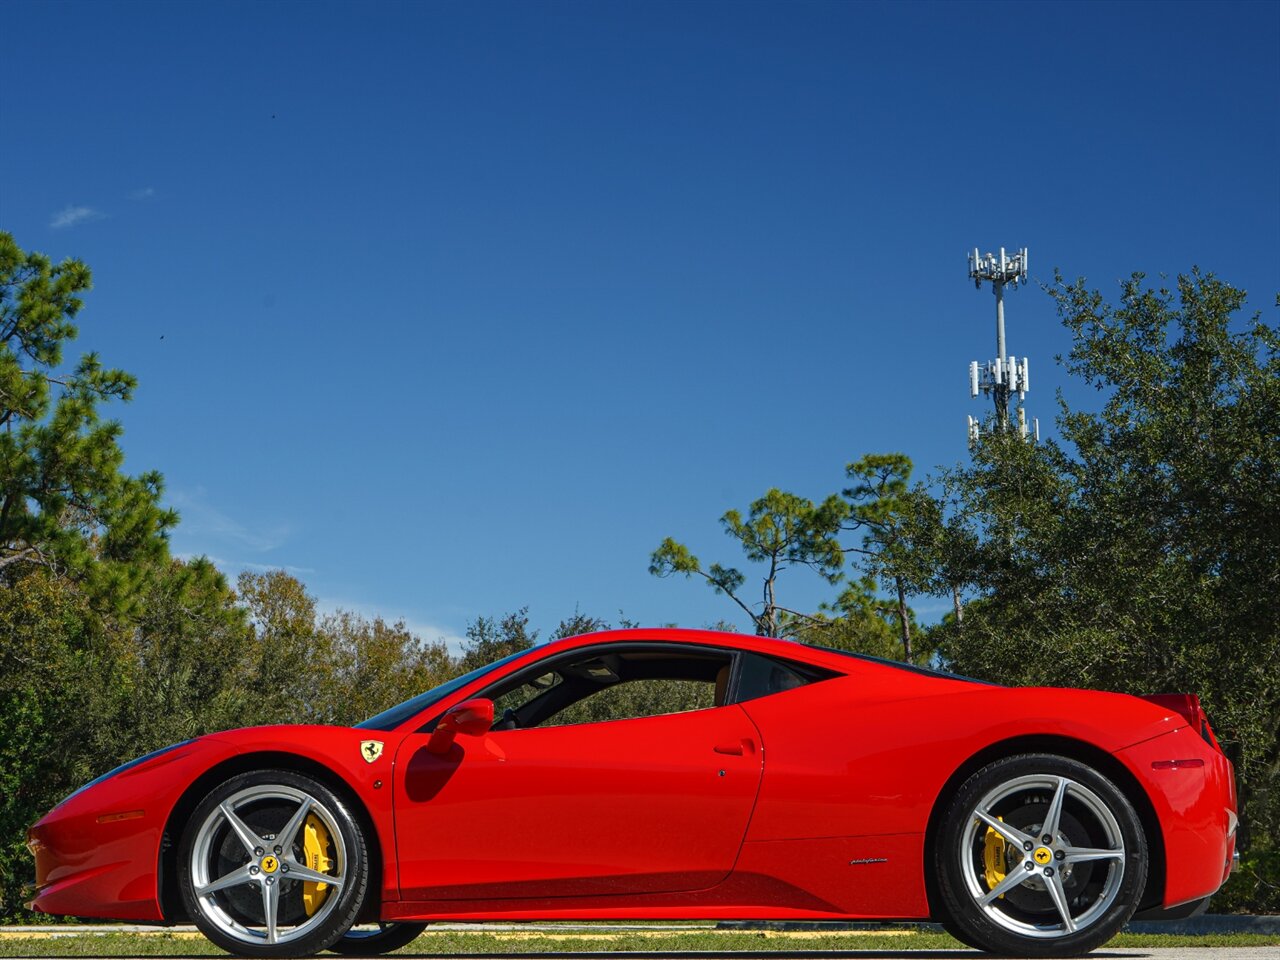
(1042, 856)
(269, 864)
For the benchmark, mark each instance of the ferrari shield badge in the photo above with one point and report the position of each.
(371, 750)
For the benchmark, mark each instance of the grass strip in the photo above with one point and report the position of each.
(459, 943)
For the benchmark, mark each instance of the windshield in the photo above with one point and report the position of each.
(392, 718)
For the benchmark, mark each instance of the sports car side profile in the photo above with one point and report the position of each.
(665, 774)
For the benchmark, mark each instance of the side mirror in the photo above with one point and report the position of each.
(472, 717)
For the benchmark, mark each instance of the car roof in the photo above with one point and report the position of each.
(838, 661)
(778, 647)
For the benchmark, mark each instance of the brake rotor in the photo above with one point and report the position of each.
(1032, 896)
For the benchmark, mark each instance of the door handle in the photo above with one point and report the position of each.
(743, 746)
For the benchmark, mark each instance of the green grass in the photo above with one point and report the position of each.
(448, 943)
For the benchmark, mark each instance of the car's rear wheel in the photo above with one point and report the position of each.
(377, 938)
(1039, 855)
(273, 864)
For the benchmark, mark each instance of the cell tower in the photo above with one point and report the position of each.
(1005, 375)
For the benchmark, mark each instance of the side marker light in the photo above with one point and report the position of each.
(128, 815)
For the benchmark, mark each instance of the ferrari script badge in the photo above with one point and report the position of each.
(371, 750)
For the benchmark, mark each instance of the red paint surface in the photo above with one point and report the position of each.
(823, 814)
(629, 806)
(1192, 804)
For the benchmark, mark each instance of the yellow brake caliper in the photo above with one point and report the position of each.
(315, 847)
(993, 850)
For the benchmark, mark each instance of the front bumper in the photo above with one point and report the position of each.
(89, 869)
(97, 853)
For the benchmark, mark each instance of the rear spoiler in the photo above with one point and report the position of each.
(1187, 705)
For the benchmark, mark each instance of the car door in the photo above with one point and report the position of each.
(655, 804)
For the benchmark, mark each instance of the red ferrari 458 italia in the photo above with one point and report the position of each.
(665, 774)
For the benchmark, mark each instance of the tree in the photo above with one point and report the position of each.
(63, 684)
(288, 664)
(1143, 552)
(379, 664)
(781, 530)
(858, 620)
(189, 640)
(489, 639)
(65, 505)
(892, 517)
(579, 624)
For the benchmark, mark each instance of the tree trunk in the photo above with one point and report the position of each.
(955, 599)
(902, 619)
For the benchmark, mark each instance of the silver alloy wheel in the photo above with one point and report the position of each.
(269, 863)
(1035, 868)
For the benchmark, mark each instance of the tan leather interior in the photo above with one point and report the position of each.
(722, 685)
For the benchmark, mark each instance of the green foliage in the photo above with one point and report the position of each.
(489, 639)
(288, 663)
(1255, 887)
(378, 664)
(579, 624)
(637, 698)
(55, 665)
(83, 690)
(65, 505)
(781, 530)
(299, 667)
(186, 640)
(895, 520)
(858, 620)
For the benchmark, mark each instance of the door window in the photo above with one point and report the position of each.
(597, 687)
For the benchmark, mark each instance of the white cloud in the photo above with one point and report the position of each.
(232, 567)
(143, 193)
(69, 216)
(204, 522)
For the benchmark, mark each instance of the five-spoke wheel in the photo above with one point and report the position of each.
(273, 865)
(1039, 855)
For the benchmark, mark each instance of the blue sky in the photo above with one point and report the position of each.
(454, 308)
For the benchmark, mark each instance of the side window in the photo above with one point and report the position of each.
(761, 676)
(637, 698)
(529, 690)
(596, 686)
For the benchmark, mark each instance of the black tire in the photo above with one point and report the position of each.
(1079, 887)
(250, 875)
(389, 936)
(958, 932)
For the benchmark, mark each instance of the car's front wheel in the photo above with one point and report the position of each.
(273, 864)
(1041, 856)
